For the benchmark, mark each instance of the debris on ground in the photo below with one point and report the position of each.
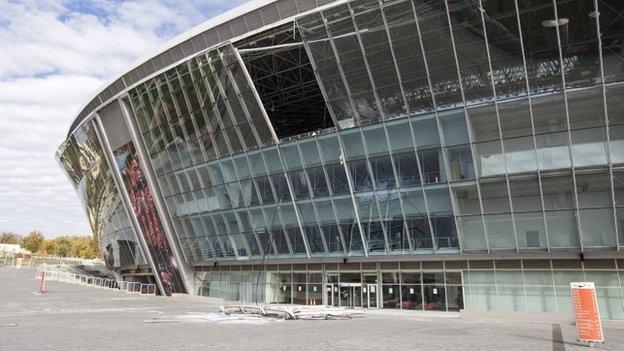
(261, 314)
(293, 312)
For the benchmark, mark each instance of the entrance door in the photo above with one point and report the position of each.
(331, 294)
(346, 296)
(370, 296)
(434, 297)
(357, 296)
(351, 295)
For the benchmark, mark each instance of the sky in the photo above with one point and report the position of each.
(54, 55)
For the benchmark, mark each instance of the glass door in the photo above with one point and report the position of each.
(370, 295)
(357, 296)
(331, 294)
(434, 296)
(346, 296)
(352, 295)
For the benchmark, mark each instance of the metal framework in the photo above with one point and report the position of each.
(387, 131)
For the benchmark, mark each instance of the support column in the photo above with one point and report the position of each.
(110, 158)
(184, 268)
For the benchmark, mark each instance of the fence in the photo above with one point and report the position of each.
(96, 282)
(10, 260)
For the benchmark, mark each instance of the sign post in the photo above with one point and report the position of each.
(42, 283)
(586, 314)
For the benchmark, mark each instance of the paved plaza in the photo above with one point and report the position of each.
(72, 317)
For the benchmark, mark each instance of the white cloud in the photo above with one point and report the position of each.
(54, 55)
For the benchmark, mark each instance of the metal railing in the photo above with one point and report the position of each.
(96, 282)
(11, 260)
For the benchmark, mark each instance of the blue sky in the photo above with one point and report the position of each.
(54, 55)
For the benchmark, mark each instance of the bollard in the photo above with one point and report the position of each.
(42, 283)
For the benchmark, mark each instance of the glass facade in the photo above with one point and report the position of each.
(508, 286)
(85, 164)
(483, 127)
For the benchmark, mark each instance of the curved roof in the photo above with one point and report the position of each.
(241, 20)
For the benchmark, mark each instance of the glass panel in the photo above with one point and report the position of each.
(375, 241)
(431, 162)
(588, 147)
(467, 198)
(337, 179)
(597, 228)
(616, 144)
(461, 164)
(425, 132)
(299, 184)
(391, 296)
(562, 229)
(500, 231)
(495, 197)
(352, 237)
(530, 230)
(454, 127)
(515, 117)
(407, 169)
(434, 297)
(558, 192)
(520, 156)
(586, 108)
(411, 297)
(525, 194)
(399, 135)
(280, 241)
(359, 174)
(332, 238)
(483, 123)
(472, 233)
(298, 244)
(383, 172)
(318, 182)
(292, 160)
(594, 190)
(353, 143)
(310, 153)
(420, 233)
(444, 231)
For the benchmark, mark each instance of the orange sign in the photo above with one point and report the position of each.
(586, 314)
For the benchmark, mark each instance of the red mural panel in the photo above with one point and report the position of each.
(145, 211)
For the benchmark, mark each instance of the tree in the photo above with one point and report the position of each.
(10, 238)
(83, 247)
(48, 247)
(33, 241)
(62, 246)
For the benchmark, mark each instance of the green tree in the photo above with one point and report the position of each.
(10, 238)
(62, 246)
(33, 241)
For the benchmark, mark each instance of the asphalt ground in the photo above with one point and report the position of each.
(73, 317)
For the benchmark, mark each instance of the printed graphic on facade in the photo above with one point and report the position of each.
(145, 210)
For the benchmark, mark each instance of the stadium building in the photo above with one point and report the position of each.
(397, 154)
